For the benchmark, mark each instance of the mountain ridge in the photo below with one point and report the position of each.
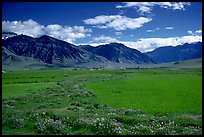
(54, 51)
(176, 53)
(49, 50)
(119, 53)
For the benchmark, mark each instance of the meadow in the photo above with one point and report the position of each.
(102, 102)
(158, 92)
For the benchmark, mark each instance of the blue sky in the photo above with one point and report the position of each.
(140, 25)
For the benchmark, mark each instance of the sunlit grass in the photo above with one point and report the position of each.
(16, 90)
(159, 92)
(56, 102)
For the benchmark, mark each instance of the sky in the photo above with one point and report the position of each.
(140, 25)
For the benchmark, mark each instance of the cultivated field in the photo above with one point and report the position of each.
(90, 102)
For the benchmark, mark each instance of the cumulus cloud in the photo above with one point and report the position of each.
(28, 27)
(149, 44)
(67, 33)
(117, 22)
(146, 7)
(101, 19)
(34, 29)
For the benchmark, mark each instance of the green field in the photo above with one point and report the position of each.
(159, 92)
(92, 102)
(15, 90)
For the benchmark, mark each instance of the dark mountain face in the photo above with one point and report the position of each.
(119, 53)
(178, 53)
(49, 50)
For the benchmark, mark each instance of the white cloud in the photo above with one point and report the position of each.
(152, 30)
(34, 29)
(148, 44)
(190, 32)
(104, 39)
(189, 39)
(101, 19)
(169, 28)
(67, 33)
(117, 22)
(95, 44)
(146, 7)
(28, 27)
(197, 32)
(118, 33)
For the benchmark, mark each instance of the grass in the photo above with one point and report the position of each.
(152, 92)
(16, 90)
(76, 102)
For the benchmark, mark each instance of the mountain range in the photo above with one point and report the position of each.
(46, 51)
(49, 50)
(176, 53)
(119, 53)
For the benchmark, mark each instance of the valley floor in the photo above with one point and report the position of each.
(102, 102)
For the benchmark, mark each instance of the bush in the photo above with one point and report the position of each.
(102, 126)
(48, 123)
(12, 120)
(50, 126)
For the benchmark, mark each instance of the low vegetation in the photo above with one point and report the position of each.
(102, 102)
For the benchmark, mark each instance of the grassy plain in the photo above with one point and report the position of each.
(129, 102)
(160, 91)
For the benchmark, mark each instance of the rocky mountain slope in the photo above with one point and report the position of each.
(50, 50)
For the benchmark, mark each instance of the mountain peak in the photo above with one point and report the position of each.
(6, 35)
(21, 37)
(115, 44)
(46, 37)
(11, 33)
(119, 53)
(50, 50)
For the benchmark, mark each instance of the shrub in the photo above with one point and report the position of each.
(102, 126)
(12, 120)
(50, 126)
